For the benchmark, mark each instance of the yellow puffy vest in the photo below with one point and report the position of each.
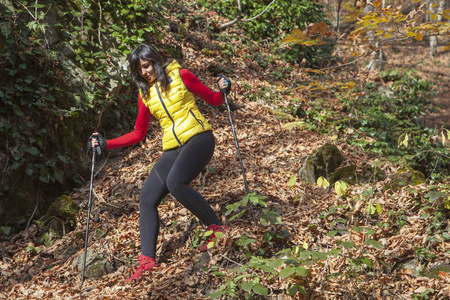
(175, 109)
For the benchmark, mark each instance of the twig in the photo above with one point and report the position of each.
(96, 173)
(62, 222)
(260, 13)
(239, 264)
(99, 197)
(239, 18)
(327, 292)
(99, 24)
(115, 257)
(35, 17)
(235, 262)
(32, 215)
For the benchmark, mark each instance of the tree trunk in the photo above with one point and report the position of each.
(433, 39)
(338, 14)
(440, 18)
(378, 60)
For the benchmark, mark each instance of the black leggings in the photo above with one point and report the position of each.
(173, 173)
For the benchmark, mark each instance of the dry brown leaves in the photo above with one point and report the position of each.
(271, 156)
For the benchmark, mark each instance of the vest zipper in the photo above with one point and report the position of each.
(168, 114)
(198, 120)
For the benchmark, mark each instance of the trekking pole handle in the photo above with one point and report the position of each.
(96, 148)
(226, 90)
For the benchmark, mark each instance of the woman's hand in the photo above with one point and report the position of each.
(96, 141)
(224, 84)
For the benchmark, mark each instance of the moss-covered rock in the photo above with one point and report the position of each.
(347, 174)
(295, 110)
(322, 162)
(53, 231)
(404, 178)
(65, 209)
(282, 115)
(433, 272)
(97, 264)
(61, 218)
(420, 270)
(354, 174)
(410, 264)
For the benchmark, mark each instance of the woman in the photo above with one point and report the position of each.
(167, 92)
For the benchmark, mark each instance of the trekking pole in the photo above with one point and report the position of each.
(89, 213)
(236, 143)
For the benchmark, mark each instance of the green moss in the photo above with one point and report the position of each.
(54, 230)
(96, 270)
(404, 178)
(354, 174)
(347, 174)
(99, 267)
(64, 208)
(293, 111)
(322, 162)
(282, 115)
(331, 156)
(433, 273)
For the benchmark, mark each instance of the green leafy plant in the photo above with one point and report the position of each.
(214, 240)
(281, 15)
(32, 249)
(62, 64)
(323, 182)
(251, 198)
(246, 278)
(244, 241)
(341, 188)
(436, 207)
(388, 121)
(5, 230)
(423, 295)
(270, 216)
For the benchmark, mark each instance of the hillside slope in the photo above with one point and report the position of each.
(353, 252)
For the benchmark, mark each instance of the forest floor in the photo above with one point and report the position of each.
(415, 57)
(271, 154)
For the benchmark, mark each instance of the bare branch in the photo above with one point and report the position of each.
(239, 15)
(260, 13)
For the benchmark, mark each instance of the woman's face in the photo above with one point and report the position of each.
(146, 70)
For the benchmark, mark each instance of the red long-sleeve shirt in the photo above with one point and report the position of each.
(192, 83)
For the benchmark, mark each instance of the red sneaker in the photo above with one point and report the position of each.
(215, 228)
(145, 264)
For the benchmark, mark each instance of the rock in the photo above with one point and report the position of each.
(403, 178)
(65, 253)
(439, 268)
(53, 231)
(97, 264)
(412, 265)
(354, 174)
(322, 162)
(204, 259)
(347, 174)
(61, 220)
(65, 209)
(296, 110)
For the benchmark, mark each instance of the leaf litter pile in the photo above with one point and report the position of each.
(366, 244)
